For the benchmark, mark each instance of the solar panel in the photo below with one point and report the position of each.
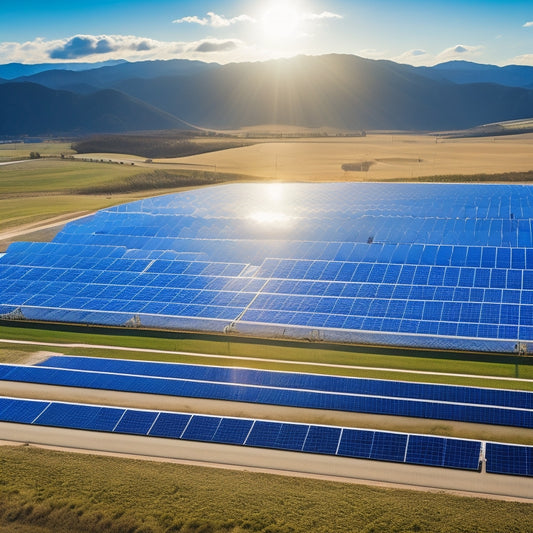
(136, 422)
(394, 240)
(170, 425)
(509, 459)
(322, 439)
(389, 447)
(202, 428)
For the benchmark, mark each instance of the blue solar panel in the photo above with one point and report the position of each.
(264, 434)
(170, 425)
(202, 428)
(356, 443)
(136, 422)
(425, 450)
(232, 431)
(388, 447)
(462, 454)
(509, 459)
(322, 439)
(22, 411)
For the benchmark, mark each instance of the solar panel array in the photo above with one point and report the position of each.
(373, 398)
(294, 380)
(447, 266)
(330, 440)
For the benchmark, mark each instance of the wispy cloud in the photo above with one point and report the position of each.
(416, 57)
(528, 24)
(213, 20)
(525, 59)
(321, 16)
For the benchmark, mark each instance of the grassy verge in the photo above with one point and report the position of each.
(18, 151)
(42, 490)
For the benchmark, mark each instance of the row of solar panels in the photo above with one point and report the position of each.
(398, 229)
(352, 402)
(166, 287)
(330, 440)
(469, 199)
(294, 380)
(320, 253)
(190, 308)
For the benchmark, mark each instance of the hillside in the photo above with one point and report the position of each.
(468, 72)
(331, 91)
(30, 109)
(338, 91)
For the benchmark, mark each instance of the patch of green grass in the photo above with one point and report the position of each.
(46, 188)
(48, 176)
(18, 151)
(516, 177)
(64, 492)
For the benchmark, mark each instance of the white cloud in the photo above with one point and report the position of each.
(214, 45)
(459, 51)
(525, 59)
(528, 24)
(416, 57)
(321, 16)
(213, 20)
(89, 48)
(81, 46)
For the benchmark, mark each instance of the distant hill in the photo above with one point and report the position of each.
(339, 91)
(107, 76)
(16, 70)
(468, 72)
(330, 91)
(31, 109)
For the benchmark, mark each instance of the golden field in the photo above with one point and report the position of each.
(392, 156)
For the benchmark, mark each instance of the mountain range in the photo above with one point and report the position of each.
(343, 92)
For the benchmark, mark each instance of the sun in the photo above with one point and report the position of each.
(281, 21)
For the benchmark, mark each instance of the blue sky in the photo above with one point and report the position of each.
(415, 32)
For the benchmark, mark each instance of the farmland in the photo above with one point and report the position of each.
(392, 156)
(41, 190)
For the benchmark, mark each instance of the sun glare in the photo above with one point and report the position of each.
(281, 21)
(274, 208)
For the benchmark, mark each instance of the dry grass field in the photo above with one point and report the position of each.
(391, 156)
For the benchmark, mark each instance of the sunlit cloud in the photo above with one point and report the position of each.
(213, 20)
(415, 57)
(528, 24)
(89, 48)
(321, 16)
(215, 45)
(81, 46)
(525, 59)
(460, 51)
(372, 53)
